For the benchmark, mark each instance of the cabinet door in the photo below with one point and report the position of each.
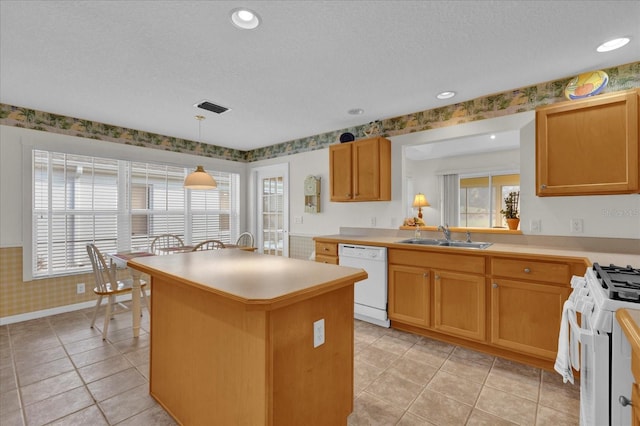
(459, 304)
(366, 165)
(340, 172)
(526, 316)
(588, 146)
(409, 295)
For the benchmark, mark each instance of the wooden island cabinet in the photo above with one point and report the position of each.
(234, 338)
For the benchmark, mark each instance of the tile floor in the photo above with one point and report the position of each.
(58, 371)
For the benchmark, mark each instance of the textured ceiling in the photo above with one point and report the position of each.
(143, 64)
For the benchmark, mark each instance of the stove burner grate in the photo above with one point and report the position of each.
(621, 283)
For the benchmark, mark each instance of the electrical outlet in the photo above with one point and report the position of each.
(297, 220)
(535, 226)
(576, 225)
(318, 333)
(79, 288)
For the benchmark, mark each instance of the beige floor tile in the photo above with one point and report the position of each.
(480, 418)
(426, 354)
(563, 397)
(144, 370)
(58, 406)
(49, 387)
(409, 419)
(105, 368)
(27, 376)
(85, 345)
(439, 409)
(87, 416)
(507, 406)
(392, 344)
(413, 371)
(155, 416)
(127, 404)
(514, 378)
(7, 379)
(76, 335)
(117, 383)
(363, 375)
(369, 410)
(11, 418)
(104, 352)
(394, 389)
(479, 358)
(138, 357)
(130, 344)
(28, 359)
(377, 357)
(9, 401)
(466, 369)
(549, 416)
(455, 387)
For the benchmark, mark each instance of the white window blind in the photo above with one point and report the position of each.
(115, 204)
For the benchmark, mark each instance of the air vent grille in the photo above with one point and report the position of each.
(212, 107)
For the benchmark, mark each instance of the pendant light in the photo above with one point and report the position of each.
(199, 179)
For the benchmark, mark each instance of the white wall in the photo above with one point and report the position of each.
(13, 165)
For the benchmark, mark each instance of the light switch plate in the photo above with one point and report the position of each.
(318, 333)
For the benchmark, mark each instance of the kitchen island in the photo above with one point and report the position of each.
(233, 341)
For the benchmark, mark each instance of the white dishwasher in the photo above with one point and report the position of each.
(370, 295)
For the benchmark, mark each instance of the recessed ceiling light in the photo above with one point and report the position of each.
(356, 111)
(492, 136)
(613, 44)
(446, 95)
(245, 18)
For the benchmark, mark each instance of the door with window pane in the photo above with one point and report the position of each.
(273, 227)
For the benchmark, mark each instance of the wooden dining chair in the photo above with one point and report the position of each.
(245, 240)
(165, 241)
(209, 245)
(108, 286)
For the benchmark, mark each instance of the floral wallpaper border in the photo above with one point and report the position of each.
(506, 103)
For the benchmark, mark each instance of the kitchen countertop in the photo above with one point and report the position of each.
(629, 320)
(496, 248)
(247, 277)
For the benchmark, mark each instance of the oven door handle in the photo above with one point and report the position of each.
(584, 336)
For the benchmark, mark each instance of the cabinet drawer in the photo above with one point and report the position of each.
(333, 260)
(531, 270)
(326, 249)
(454, 262)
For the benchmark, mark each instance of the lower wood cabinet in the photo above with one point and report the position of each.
(526, 316)
(409, 289)
(327, 252)
(459, 304)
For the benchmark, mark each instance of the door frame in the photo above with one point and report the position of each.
(255, 202)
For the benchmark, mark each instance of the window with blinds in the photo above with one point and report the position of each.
(482, 198)
(118, 204)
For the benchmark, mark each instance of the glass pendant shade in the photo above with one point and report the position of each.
(199, 179)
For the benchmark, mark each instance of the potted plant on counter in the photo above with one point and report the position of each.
(510, 211)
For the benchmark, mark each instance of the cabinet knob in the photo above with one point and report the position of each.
(527, 270)
(437, 277)
(425, 275)
(326, 249)
(543, 186)
(624, 401)
(348, 195)
(494, 285)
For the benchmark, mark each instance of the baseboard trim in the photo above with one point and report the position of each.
(54, 311)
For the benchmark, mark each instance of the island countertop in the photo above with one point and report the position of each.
(249, 278)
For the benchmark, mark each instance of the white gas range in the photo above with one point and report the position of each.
(605, 354)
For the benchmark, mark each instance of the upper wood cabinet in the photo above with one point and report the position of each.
(588, 146)
(361, 170)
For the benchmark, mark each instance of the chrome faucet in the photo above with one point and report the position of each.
(445, 231)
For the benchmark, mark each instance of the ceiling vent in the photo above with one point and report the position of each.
(211, 107)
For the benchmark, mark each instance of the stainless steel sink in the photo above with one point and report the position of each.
(424, 242)
(476, 245)
(444, 243)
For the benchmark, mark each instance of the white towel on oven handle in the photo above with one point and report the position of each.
(563, 358)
